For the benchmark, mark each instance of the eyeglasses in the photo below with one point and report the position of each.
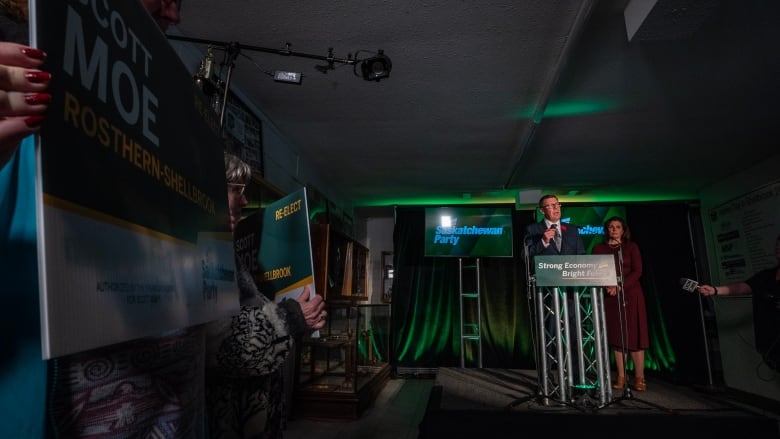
(551, 206)
(237, 188)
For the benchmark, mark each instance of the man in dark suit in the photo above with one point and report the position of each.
(541, 235)
(551, 237)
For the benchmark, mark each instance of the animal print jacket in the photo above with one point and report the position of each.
(244, 359)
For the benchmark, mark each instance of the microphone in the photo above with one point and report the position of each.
(526, 242)
(557, 238)
(688, 285)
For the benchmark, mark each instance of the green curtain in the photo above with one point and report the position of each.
(426, 305)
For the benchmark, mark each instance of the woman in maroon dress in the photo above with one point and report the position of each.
(626, 314)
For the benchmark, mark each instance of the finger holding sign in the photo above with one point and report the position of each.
(22, 101)
(313, 309)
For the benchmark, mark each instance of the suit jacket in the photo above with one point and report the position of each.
(571, 243)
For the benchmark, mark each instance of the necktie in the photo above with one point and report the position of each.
(557, 238)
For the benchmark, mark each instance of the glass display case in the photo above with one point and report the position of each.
(340, 373)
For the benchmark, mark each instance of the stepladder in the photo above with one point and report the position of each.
(469, 281)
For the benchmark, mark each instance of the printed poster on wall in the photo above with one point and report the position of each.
(132, 208)
(243, 126)
(744, 232)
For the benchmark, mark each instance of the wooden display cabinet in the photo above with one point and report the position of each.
(340, 374)
(340, 265)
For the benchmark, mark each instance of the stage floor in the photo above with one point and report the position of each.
(465, 402)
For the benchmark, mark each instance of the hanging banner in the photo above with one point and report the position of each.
(132, 207)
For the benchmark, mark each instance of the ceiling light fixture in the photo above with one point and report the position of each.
(205, 77)
(377, 67)
(374, 68)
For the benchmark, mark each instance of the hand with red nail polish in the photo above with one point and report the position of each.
(23, 100)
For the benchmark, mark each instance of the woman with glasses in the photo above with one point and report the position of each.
(245, 353)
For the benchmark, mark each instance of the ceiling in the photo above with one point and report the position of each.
(490, 99)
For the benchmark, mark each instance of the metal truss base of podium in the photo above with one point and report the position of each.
(572, 347)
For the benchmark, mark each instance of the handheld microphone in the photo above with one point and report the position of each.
(557, 238)
(688, 285)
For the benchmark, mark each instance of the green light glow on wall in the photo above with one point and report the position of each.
(577, 108)
(569, 108)
(509, 196)
(497, 197)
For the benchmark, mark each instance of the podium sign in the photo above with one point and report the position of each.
(575, 270)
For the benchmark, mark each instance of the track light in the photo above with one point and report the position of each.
(376, 67)
(205, 75)
(372, 69)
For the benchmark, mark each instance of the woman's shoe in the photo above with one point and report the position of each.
(639, 384)
(620, 383)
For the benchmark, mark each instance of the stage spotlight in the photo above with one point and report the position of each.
(206, 73)
(376, 67)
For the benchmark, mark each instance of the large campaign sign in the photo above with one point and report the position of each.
(275, 244)
(132, 207)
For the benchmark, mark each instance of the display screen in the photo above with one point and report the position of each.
(589, 219)
(468, 231)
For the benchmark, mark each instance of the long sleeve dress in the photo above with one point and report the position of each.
(634, 336)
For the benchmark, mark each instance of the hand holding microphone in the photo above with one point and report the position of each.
(688, 285)
(549, 234)
(693, 286)
(707, 290)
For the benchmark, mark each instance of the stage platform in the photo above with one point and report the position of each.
(496, 403)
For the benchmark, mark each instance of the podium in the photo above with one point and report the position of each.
(569, 328)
